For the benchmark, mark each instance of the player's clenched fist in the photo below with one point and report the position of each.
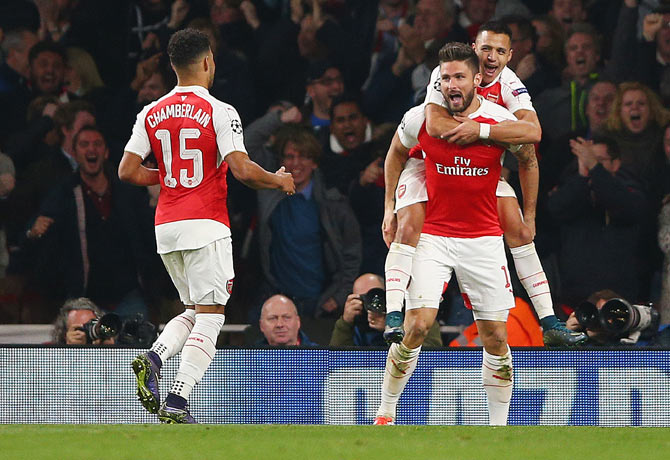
(285, 181)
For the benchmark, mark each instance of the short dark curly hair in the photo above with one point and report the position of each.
(186, 46)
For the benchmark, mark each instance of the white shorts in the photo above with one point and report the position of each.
(481, 270)
(202, 276)
(412, 185)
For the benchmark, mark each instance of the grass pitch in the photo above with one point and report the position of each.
(296, 442)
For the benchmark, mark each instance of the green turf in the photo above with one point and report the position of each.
(295, 442)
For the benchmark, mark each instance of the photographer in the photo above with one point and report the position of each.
(362, 323)
(608, 319)
(69, 327)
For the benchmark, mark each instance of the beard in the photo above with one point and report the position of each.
(459, 105)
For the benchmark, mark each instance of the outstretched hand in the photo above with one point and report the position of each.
(286, 183)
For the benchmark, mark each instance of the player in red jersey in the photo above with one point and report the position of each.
(461, 234)
(501, 86)
(195, 139)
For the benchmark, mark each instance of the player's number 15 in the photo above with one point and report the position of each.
(163, 135)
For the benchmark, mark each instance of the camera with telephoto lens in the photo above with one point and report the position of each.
(375, 301)
(619, 320)
(137, 332)
(103, 328)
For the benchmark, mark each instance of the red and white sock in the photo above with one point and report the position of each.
(532, 276)
(400, 364)
(498, 380)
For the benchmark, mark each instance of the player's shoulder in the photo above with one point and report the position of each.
(493, 111)
(414, 115)
(510, 81)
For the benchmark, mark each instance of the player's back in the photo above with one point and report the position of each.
(182, 130)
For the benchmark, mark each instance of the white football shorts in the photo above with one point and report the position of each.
(481, 270)
(202, 276)
(412, 185)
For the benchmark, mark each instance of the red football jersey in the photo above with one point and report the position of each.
(461, 180)
(190, 132)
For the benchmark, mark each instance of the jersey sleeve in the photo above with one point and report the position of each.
(514, 93)
(228, 129)
(433, 92)
(410, 125)
(139, 139)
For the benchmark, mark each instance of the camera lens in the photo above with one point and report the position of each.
(587, 315)
(618, 317)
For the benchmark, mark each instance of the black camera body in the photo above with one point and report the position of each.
(103, 327)
(619, 320)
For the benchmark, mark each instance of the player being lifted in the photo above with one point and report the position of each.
(461, 234)
(501, 86)
(195, 139)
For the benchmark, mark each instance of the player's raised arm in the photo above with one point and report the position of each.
(529, 177)
(132, 170)
(394, 163)
(252, 175)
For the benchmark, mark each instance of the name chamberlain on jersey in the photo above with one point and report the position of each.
(179, 111)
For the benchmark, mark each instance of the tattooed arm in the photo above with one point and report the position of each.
(529, 177)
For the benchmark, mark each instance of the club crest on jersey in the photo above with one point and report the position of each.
(493, 97)
(401, 190)
(229, 285)
(236, 126)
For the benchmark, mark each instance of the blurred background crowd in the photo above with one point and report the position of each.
(320, 86)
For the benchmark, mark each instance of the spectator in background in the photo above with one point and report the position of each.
(310, 246)
(601, 210)
(280, 324)
(71, 318)
(550, 43)
(15, 68)
(529, 66)
(40, 166)
(233, 80)
(46, 77)
(81, 74)
(399, 81)
(7, 183)
(348, 150)
(362, 328)
(636, 122)
(568, 13)
(96, 233)
(474, 14)
(556, 155)
(664, 244)
(561, 110)
(324, 83)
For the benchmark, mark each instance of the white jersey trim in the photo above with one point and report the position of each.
(188, 234)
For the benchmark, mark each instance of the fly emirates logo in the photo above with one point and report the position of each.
(461, 167)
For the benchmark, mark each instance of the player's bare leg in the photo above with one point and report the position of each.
(196, 357)
(146, 366)
(497, 370)
(519, 238)
(401, 361)
(398, 267)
